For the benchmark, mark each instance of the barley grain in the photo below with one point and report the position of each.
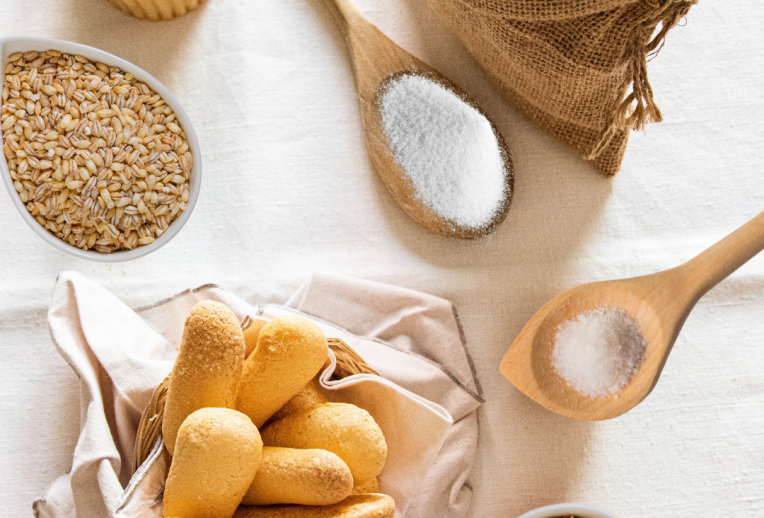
(96, 156)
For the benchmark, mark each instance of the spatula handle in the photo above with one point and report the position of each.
(346, 14)
(716, 263)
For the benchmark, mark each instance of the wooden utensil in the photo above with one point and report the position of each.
(660, 303)
(376, 61)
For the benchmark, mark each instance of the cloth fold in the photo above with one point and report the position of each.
(413, 340)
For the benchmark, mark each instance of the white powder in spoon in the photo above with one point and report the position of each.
(447, 148)
(599, 351)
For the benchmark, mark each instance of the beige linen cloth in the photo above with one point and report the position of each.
(425, 400)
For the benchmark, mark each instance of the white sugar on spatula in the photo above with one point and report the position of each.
(599, 351)
(447, 148)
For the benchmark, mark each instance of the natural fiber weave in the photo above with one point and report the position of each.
(349, 362)
(577, 68)
(150, 426)
(156, 10)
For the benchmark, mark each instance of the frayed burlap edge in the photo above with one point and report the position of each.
(632, 107)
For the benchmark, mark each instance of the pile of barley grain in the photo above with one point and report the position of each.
(96, 156)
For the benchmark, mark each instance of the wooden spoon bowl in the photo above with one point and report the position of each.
(659, 303)
(377, 61)
(547, 387)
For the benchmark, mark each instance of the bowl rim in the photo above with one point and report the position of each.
(10, 45)
(559, 510)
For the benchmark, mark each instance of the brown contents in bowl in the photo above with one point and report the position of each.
(97, 157)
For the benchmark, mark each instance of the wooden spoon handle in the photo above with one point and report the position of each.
(347, 16)
(716, 263)
(374, 56)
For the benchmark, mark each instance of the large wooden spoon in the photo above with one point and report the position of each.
(376, 60)
(660, 303)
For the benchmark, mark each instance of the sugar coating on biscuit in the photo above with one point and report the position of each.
(341, 428)
(290, 351)
(207, 370)
(307, 477)
(366, 486)
(354, 506)
(217, 454)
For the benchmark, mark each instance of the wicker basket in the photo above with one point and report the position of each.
(150, 426)
(156, 10)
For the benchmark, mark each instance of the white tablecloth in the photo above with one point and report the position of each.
(288, 189)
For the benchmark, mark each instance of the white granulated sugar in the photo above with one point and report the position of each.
(599, 351)
(447, 148)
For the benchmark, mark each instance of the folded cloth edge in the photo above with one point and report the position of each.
(477, 398)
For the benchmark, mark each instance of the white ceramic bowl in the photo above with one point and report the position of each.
(10, 45)
(578, 510)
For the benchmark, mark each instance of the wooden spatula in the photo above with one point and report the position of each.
(660, 303)
(376, 60)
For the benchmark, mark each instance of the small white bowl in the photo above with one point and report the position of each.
(577, 510)
(9, 46)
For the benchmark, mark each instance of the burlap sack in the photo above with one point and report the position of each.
(578, 68)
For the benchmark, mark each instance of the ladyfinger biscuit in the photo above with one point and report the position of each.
(217, 454)
(366, 486)
(343, 429)
(308, 397)
(354, 506)
(208, 367)
(307, 477)
(290, 351)
(251, 334)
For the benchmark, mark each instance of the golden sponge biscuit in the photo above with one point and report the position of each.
(366, 486)
(216, 457)
(251, 334)
(354, 506)
(343, 429)
(308, 477)
(290, 351)
(208, 367)
(309, 396)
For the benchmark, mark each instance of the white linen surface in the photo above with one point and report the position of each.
(121, 357)
(288, 189)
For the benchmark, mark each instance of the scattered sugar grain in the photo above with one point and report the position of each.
(447, 148)
(599, 351)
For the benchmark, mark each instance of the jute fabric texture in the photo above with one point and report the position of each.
(576, 68)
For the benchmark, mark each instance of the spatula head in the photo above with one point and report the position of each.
(400, 184)
(377, 61)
